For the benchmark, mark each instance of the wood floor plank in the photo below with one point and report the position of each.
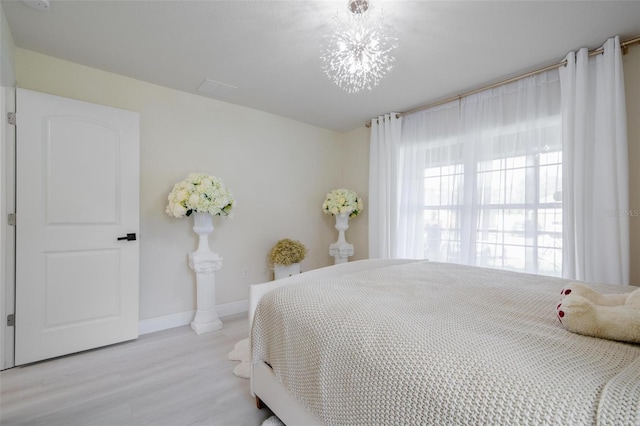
(172, 377)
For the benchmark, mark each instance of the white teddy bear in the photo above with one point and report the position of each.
(609, 316)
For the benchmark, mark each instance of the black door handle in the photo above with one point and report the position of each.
(129, 237)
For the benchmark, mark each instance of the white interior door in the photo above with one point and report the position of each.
(77, 193)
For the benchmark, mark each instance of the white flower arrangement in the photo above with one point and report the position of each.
(200, 193)
(342, 201)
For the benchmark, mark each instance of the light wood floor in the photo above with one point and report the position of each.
(172, 377)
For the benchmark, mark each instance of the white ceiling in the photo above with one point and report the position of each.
(269, 50)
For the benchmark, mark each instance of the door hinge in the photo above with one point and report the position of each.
(11, 118)
(12, 219)
(11, 320)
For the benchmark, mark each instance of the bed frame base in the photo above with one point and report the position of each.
(273, 394)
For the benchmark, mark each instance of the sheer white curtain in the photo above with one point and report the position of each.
(431, 185)
(595, 186)
(480, 179)
(383, 186)
(512, 140)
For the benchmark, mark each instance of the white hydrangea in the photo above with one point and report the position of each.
(200, 192)
(342, 201)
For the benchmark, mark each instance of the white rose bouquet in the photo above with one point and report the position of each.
(200, 193)
(342, 201)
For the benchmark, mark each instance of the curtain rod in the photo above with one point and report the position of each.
(623, 45)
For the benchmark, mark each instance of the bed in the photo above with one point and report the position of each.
(414, 342)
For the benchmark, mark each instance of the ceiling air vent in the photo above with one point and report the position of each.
(215, 89)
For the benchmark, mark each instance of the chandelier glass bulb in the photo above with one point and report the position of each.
(356, 53)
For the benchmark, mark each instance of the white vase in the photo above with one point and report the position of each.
(342, 224)
(284, 271)
(341, 249)
(203, 226)
(205, 262)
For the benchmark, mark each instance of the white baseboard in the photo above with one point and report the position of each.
(232, 308)
(184, 318)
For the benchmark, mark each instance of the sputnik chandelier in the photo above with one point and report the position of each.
(356, 53)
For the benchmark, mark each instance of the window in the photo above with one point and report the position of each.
(516, 231)
(480, 179)
(510, 212)
(443, 187)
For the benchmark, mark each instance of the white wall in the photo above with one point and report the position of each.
(7, 234)
(631, 68)
(355, 175)
(278, 169)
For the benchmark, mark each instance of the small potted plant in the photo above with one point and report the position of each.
(285, 258)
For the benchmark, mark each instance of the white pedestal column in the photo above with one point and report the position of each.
(205, 262)
(341, 249)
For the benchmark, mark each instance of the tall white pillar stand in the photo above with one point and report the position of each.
(205, 262)
(341, 249)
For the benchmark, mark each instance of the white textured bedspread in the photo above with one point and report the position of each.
(441, 344)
